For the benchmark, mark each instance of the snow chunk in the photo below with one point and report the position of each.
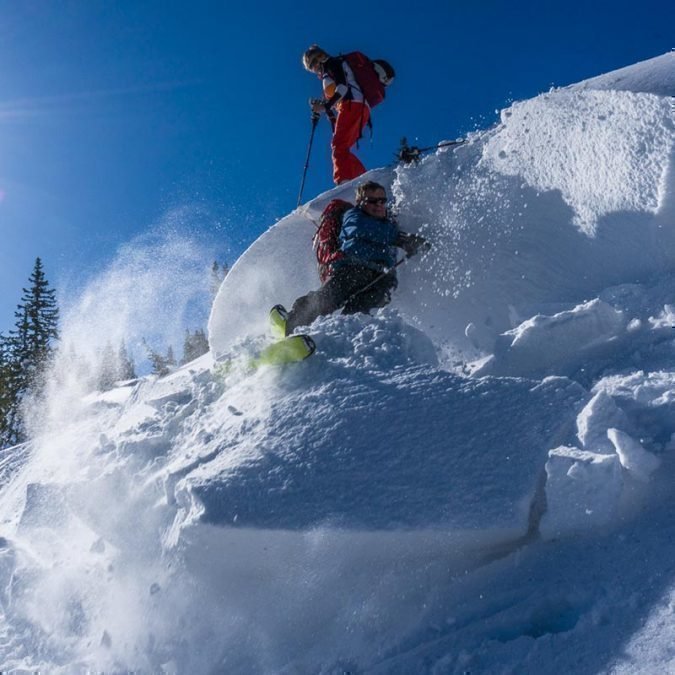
(599, 414)
(634, 458)
(665, 319)
(582, 491)
(548, 343)
(605, 151)
(648, 398)
(113, 397)
(383, 341)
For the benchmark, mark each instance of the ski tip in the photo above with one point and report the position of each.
(278, 316)
(311, 345)
(286, 350)
(280, 309)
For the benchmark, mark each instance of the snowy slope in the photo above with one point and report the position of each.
(654, 76)
(519, 217)
(475, 479)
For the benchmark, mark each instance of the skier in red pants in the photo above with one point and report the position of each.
(345, 106)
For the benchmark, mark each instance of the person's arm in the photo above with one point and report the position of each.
(332, 92)
(334, 82)
(411, 244)
(331, 96)
(357, 224)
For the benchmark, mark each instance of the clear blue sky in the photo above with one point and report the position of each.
(114, 112)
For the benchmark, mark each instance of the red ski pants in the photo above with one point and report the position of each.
(351, 119)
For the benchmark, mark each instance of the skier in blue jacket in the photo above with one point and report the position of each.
(364, 276)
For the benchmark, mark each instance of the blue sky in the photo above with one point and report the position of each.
(113, 114)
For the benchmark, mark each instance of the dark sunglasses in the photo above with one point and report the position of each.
(375, 200)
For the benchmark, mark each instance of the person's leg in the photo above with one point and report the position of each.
(346, 280)
(305, 309)
(351, 119)
(377, 295)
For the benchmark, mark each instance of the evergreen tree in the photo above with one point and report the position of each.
(108, 369)
(126, 367)
(160, 364)
(195, 345)
(37, 322)
(80, 366)
(114, 367)
(201, 342)
(218, 273)
(5, 396)
(27, 352)
(187, 347)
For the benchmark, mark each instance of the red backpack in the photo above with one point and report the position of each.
(326, 240)
(371, 76)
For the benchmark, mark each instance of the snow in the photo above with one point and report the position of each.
(544, 342)
(475, 479)
(583, 491)
(592, 129)
(299, 475)
(633, 457)
(654, 76)
(599, 415)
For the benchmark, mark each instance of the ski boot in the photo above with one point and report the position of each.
(278, 319)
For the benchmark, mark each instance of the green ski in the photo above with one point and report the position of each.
(278, 317)
(287, 350)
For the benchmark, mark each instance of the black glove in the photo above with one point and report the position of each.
(318, 106)
(412, 243)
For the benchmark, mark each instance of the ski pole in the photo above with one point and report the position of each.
(315, 120)
(411, 153)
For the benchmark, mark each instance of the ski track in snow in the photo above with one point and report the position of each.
(476, 479)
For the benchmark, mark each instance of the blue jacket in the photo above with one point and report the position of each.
(367, 241)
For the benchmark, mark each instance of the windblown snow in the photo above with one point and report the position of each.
(474, 479)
